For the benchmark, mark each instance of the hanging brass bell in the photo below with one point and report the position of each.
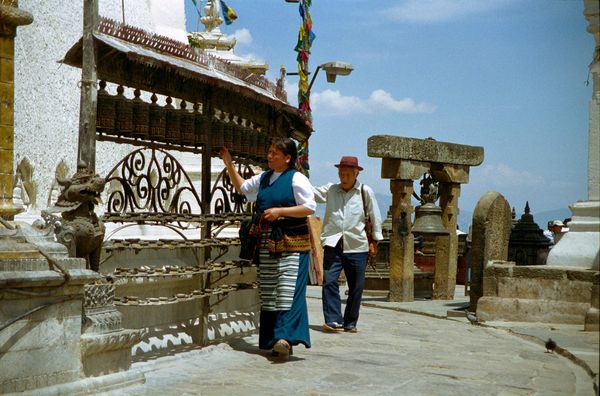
(428, 220)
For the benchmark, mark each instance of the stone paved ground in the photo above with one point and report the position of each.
(394, 353)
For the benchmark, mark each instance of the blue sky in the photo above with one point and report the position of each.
(507, 75)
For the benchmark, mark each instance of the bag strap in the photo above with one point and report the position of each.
(362, 195)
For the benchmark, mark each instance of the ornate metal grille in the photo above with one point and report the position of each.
(225, 199)
(151, 180)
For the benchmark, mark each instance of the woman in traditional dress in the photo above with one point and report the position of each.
(284, 198)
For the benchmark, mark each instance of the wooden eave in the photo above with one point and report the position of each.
(133, 65)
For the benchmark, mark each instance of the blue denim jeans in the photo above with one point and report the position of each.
(354, 266)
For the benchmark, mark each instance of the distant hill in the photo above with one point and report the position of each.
(465, 217)
(542, 218)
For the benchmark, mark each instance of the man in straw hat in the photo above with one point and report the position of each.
(351, 210)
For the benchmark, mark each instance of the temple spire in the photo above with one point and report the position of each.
(212, 16)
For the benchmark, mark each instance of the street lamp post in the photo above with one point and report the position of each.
(332, 70)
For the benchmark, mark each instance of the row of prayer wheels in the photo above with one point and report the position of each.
(135, 118)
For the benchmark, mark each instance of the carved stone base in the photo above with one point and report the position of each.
(580, 247)
(103, 354)
(592, 320)
(105, 345)
(536, 293)
(592, 317)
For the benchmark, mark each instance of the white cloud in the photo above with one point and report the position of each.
(434, 11)
(379, 97)
(243, 37)
(506, 177)
(333, 102)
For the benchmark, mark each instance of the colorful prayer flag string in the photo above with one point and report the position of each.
(305, 39)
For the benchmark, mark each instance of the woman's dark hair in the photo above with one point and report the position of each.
(288, 147)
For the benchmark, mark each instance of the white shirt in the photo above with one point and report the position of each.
(344, 216)
(303, 190)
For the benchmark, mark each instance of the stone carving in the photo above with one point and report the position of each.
(121, 340)
(98, 295)
(80, 230)
(429, 189)
(61, 172)
(105, 345)
(101, 320)
(24, 183)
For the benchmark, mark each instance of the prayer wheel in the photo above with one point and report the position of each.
(140, 116)
(200, 127)
(186, 125)
(157, 120)
(106, 110)
(172, 125)
(216, 134)
(124, 113)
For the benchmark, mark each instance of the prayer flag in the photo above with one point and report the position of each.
(228, 14)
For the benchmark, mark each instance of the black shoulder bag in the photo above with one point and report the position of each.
(249, 238)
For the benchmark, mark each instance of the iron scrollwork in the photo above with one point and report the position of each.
(225, 199)
(153, 183)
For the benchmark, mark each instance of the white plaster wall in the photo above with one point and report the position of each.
(47, 92)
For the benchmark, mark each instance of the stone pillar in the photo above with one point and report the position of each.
(446, 247)
(10, 17)
(401, 243)
(592, 14)
(580, 247)
(86, 147)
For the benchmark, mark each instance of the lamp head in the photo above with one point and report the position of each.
(336, 68)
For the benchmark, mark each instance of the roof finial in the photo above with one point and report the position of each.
(212, 16)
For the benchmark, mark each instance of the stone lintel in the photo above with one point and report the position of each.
(397, 169)
(404, 148)
(393, 168)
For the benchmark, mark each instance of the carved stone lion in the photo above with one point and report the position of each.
(80, 230)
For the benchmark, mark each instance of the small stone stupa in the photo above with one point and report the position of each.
(527, 244)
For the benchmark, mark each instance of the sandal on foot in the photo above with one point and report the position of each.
(332, 327)
(282, 348)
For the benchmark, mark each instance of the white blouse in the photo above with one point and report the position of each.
(303, 191)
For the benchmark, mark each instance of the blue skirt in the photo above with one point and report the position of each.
(290, 325)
